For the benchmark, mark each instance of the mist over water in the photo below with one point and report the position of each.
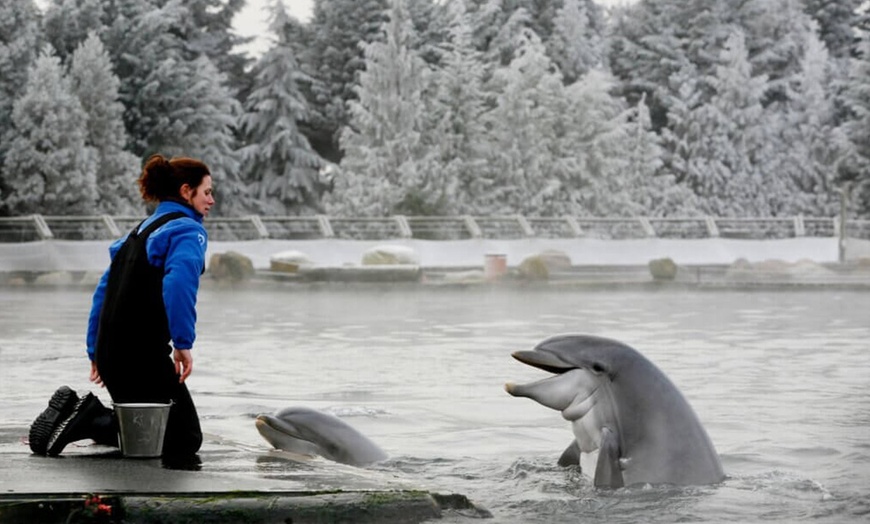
(781, 381)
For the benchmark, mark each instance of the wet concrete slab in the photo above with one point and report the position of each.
(226, 482)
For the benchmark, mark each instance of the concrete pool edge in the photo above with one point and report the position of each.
(849, 276)
(393, 506)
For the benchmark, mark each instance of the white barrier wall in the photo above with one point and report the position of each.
(66, 255)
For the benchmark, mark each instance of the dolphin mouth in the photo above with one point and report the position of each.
(276, 424)
(543, 360)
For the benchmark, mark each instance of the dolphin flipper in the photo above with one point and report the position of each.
(608, 473)
(571, 455)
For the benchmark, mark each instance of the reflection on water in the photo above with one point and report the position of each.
(780, 380)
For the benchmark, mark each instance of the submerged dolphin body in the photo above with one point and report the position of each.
(622, 405)
(311, 432)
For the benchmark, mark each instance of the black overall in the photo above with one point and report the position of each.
(133, 351)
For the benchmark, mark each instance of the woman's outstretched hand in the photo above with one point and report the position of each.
(183, 364)
(95, 375)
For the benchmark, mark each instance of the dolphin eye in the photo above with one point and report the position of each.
(598, 368)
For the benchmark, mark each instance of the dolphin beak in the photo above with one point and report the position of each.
(543, 360)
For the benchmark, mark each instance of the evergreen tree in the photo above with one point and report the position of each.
(654, 40)
(382, 144)
(500, 23)
(208, 31)
(456, 137)
(574, 47)
(68, 23)
(837, 21)
(96, 86)
(19, 46)
(48, 168)
(521, 168)
(856, 98)
(654, 190)
(724, 149)
(811, 145)
(597, 141)
(174, 105)
(339, 31)
(279, 163)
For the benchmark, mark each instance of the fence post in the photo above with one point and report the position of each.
(574, 226)
(647, 227)
(712, 228)
(844, 203)
(525, 226)
(111, 226)
(471, 225)
(404, 227)
(42, 227)
(325, 226)
(259, 226)
(799, 229)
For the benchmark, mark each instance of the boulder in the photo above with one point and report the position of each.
(663, 269)
(390, 255)
(289, 261)
(555, 260)
(533, 268)
(774, 269)
(230, 267)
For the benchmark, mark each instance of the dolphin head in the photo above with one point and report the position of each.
(286, 434)
(311, 432)
(583, 369)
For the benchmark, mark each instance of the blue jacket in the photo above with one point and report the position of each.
(179, 248)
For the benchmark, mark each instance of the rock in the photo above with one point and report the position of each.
(390, 255)
(663, 269)
(230, 267)
(289, 261)
(775, 269)
(533, 268)
(555, 260)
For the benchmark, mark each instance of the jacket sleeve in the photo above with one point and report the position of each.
(94, 317)
(183, 264)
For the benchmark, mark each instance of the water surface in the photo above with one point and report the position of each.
(781, 381)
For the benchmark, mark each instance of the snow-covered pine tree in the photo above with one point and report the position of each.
(208, 31)
(727, 162)
(68, 23)
(382, 144)
(19, 45)
(529, 99)
(279, 164)
(455, 134)
(48, 168)
(596, 141)
(574, 46)
(339, 30)
(837, 21)
(652, 188)
(177, 106)
(96, 86)
(811, 145)
(856, 99)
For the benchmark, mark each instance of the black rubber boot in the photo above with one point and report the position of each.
(60, 406)
(82, 423)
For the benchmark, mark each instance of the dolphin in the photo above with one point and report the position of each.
(311, 432)
(620, 404)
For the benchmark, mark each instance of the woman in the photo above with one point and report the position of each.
(143, 313)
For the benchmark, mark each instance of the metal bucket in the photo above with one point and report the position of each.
(142, 427)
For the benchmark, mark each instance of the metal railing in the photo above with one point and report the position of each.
(103, 227)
